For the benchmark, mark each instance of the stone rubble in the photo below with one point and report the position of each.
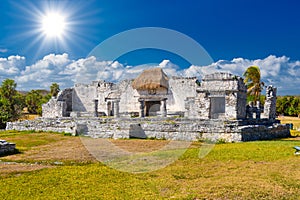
(6, 147)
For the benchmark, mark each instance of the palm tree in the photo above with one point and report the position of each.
(252, 80)
(54, 89)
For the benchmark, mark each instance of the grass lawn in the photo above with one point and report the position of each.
(54, 166)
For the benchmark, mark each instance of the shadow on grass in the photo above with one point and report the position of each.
(15, 151)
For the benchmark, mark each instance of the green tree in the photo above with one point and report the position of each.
(11, 102)
(54, 89)
(32, 100)
(288, 105)
(253, 82)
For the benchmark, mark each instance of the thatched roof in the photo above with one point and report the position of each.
(151, 79)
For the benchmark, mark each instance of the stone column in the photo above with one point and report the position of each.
(96, 107)
(163, 108)
(116, 108)
(270, 103)
(107, 108)
(142, 107)
(249, 110)
(258, 111)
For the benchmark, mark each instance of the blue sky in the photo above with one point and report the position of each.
(235, 33)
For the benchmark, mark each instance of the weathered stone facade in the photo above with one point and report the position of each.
(185, 109)
(270, 104)
(102, 98)
(220, 96)
(160, 128)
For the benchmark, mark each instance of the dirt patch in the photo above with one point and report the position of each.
(292, 139)
(70, 149)
(140, 145)
(7, 168)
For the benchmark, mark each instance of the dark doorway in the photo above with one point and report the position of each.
(152, 108)
(110, 109)
(217, 107)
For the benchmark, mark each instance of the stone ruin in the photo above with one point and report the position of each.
(157, 106)
(6, 147)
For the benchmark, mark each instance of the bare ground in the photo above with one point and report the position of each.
(7, 168)
(68, 150)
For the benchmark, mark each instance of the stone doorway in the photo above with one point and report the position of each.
(110, 109)
(217, 107)
(152, 108)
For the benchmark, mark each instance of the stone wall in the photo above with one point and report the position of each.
(180, 88)
(270, 103)
(80, 100)
(54, 108)
(220, 96)
(66, 96)
(83, 97)
(67, 125)
(160, 128)
(128, 98)
(103, 90)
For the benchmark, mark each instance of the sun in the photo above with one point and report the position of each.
(53, 25)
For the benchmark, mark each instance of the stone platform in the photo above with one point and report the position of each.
(160, 128)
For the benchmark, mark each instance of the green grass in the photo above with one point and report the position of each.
(25, 140)
(250, 170)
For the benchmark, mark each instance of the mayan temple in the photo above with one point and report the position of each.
(158, 106)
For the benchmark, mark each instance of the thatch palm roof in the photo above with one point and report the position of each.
(151, 79)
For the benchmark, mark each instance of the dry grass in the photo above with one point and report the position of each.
(140, 145)
(252, 170)
(28, 117)
(296, 124)
(294, 120)
(70, 149)
(9, 168)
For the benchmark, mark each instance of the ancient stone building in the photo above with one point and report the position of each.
(158, 106)
(220, 95)
(152, 93)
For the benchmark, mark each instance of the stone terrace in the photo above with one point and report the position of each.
(160, 128)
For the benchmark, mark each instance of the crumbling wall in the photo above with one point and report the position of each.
(128, 98)
(180, 88)
(67, 125)
(270, 103)
(220, 96)
(54, 108)
(83, 97)
(169, 128)
(66, 96)
(59, 106)
(103, 89)
(6, 147)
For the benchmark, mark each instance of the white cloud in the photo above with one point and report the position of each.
(44, 72)
(11, 66)
(88, 69)
(278, 71)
